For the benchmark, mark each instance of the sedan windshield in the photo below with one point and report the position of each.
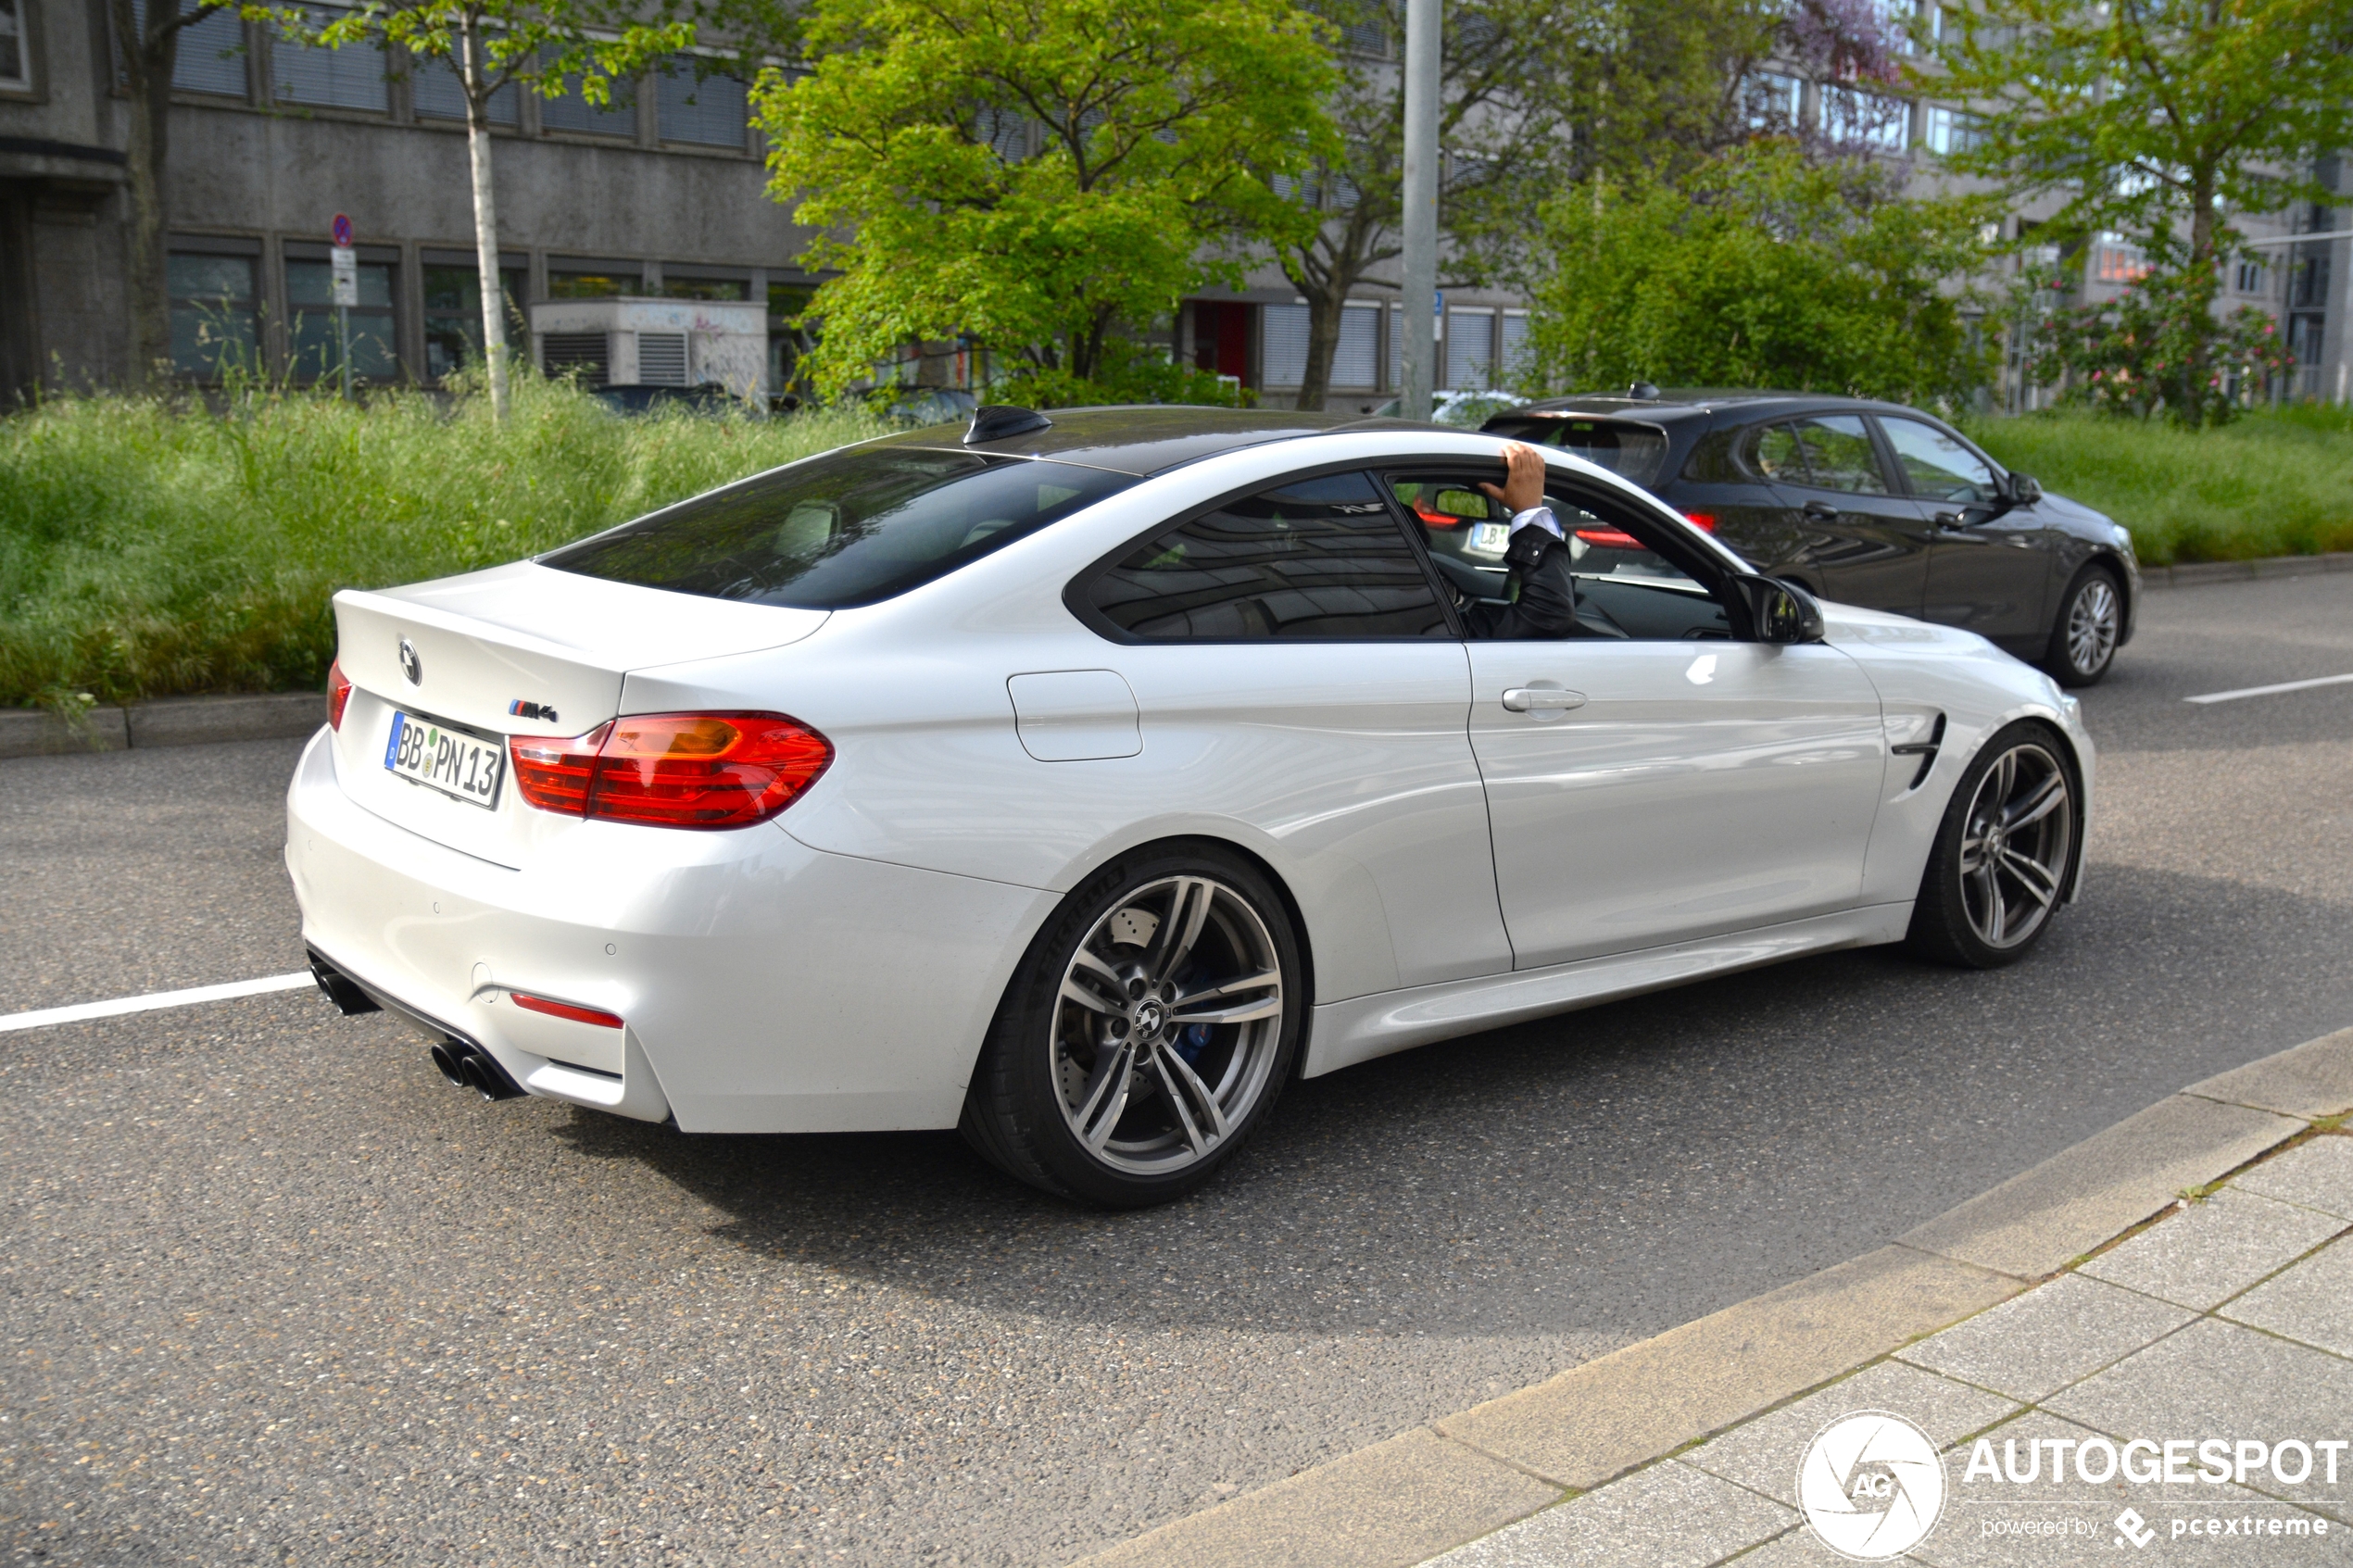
(849, 528)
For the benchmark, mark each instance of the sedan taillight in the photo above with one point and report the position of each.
(673, 770)
(338, 695)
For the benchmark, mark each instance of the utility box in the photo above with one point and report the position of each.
(630, 342)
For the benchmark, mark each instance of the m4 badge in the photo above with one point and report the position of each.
(522, 709)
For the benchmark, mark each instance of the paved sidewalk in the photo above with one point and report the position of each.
(2230, 1318)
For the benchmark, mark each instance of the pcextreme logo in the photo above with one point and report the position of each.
(1871, 1485)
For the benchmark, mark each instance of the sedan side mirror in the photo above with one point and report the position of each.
(1779, 611)
(2024, 490)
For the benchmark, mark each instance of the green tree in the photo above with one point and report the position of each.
(1036, 174)
(1760, 268)
(1532, 95)
(2155, 119)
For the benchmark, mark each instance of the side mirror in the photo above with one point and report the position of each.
(2024, 490)
(1779, 611)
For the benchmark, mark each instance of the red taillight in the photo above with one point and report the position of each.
(1610, 539)
(1704, 522)
(674, 769)
(338, 695)
(1436, 518)
(565, 1009)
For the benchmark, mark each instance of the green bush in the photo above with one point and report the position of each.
(2272, 484)
(149, 549)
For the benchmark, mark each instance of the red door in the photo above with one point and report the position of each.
(1221, 337)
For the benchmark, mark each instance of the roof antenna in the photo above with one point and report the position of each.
(1000, 421)
(1643, 390)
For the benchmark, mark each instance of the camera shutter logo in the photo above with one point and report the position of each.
(1871, 1485)
(412, 668)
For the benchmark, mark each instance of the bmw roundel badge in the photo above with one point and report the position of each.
(410, 666)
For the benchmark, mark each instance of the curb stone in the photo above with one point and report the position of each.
(1464, 1476)
(178, 720)
(2192, 573)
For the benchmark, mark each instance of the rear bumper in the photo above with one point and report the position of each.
(765, 987)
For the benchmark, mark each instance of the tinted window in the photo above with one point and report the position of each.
(848, 528)
(1319, 558)
(1636, 452)
(1839, 455)
(1937, 466)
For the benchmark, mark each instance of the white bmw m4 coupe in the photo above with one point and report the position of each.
(1078, 781)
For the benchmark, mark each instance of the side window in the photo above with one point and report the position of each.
(1777, 456)
(1623, 586)
(1839, 455)
(1936, 465)
(1313, 558)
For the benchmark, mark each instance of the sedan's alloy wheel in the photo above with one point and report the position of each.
(2094, 618)
(2017, 836)
(1166, 1026)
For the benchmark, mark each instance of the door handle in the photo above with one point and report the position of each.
(1821, 511)
(1541, 699)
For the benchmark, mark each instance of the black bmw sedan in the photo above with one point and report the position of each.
(1869, 503)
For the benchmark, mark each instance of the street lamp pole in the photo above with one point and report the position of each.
(1420, 355)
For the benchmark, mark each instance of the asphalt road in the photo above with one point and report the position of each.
(274, 1293)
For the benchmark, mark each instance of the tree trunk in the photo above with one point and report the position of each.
(147, 59)
(2202, 281)
(494, 297)
(1324, 308)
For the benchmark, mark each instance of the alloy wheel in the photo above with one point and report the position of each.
(2014, 844)
(2094, 619)
(1167, 1025)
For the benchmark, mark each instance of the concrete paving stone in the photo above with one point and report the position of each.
(2313, 1301)
(1800, 1547)
(2040, 1219)
(2034, 1345)
(2219, 1379)
(2310, 1080)
(2210, 1251)
(1393, 1503)
(1600, 1419)
(1668, 1517)
(1764, 1455)
(1985, 1522)
(2318, 1175)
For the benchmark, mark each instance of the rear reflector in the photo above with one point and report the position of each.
(565, 1009)
(673, 770)
(338, 695)
(1704, 522)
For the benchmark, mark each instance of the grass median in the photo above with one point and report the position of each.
(151, 548)
(2272, 483)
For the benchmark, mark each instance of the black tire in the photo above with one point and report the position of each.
(1047, 1103)
(1987, 897)
(2088, 628)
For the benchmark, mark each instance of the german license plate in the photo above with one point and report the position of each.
(1490, 538)
(457, 765)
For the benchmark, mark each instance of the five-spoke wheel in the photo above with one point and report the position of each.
(1154, 1021)
(2003, 855)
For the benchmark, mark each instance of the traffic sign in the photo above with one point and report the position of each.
(342, 232)
(346, 275)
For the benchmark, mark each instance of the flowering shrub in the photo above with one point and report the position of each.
(2158, 346)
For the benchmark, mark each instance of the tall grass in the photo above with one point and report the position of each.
(2272, 484)
(150, 547)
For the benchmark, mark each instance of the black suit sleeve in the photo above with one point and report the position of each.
(1546, 604)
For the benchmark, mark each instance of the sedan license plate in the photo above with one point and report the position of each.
(1490, 538)
(457, 765)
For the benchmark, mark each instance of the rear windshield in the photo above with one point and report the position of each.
(1633, 452)
(848, 528)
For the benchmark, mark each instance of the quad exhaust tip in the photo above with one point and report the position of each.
(468, 1066)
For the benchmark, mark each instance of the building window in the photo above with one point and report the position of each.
(1284, 344)
(617, 117)
(674, 287)
(1470, 349)
(590, 281)
(2115, 259)
(1771, 102)
(211, 53)
(709, 111)
(453, 316)
(2251, 277)
(213, 318)
(315, 351)
(16, 53)
(348, 78)
(1870, 121)
(1946, 131)
(434, 88)
(1514, 348)
(1356, 361)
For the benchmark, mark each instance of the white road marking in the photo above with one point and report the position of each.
(44, 1017)
(2267, 691)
